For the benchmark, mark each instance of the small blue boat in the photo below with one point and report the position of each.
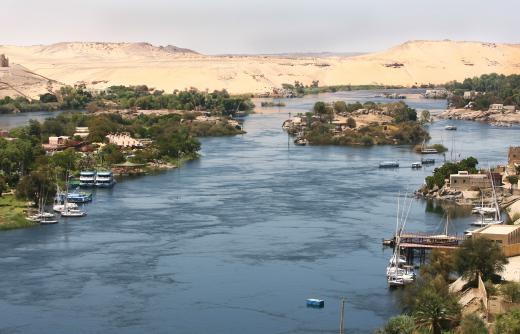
(316, 303)
(79, 197)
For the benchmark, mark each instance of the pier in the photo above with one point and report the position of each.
(417, 240)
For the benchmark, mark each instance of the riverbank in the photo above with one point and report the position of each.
(499, 118)
(12, 213)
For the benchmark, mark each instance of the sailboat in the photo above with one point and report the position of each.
(496, 219)
(67, 211)
(43, 217)
(397, 273)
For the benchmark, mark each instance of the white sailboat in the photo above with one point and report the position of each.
(496, 219)
(397, 273)
(67, 210)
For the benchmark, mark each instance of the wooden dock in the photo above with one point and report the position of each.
(424, 241)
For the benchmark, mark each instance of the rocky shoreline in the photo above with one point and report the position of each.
(497, 118)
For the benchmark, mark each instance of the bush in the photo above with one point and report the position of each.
(512, 291)
(402, 324)
(472, 324)
(351, 123)
(508, 323)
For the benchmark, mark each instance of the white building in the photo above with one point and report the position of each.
(123, 140)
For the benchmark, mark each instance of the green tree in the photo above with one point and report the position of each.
(472, 324)
(351, 122)
(508, 323)
(479, 256)
(65, 160)
(433, 312)
(402, 324)
(425, 116)
(320, 108)
(48, 97)
(37, 185)
(340, 107)
(111, 154)
(3, 185)
(512, 291)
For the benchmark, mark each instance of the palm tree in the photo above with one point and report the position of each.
(433, 311)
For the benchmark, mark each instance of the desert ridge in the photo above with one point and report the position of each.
(100, 65)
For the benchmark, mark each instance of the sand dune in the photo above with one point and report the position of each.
(103, 64)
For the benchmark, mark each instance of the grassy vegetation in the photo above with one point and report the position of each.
(130, 97)
(299, 90)
(12, 213)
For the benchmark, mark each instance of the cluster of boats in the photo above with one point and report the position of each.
(415, 165)
(100, 179)
(66, 202)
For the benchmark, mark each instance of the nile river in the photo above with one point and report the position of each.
(235, 241)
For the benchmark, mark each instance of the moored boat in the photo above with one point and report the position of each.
(87, 179)
(300, 141)
(389, 164)
(450, 127)
(105, 179)
(313, 302)
(416, 165)
(427, 161)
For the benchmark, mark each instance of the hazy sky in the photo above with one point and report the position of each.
(259, 26)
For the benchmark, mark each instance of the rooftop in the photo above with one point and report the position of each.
(499, 229)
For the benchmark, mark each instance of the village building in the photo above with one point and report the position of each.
(4, 61)
(56, 143)
(81, 132)
(507, 236)
(499, 107)
(436, 93)
(124, 140)
(509, 109)
(471, 94)
(465, 181)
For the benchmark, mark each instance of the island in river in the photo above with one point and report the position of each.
(366, 124)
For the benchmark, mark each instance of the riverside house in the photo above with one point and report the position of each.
(507, 236)
(465, 181)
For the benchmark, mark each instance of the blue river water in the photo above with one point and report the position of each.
(235, 241)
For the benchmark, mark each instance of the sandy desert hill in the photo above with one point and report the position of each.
(99, 65)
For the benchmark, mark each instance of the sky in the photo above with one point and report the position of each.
(259, 26)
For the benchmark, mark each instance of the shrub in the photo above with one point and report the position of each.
(512, 291)
(472, 324)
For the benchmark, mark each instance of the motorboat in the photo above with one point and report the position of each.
(79, 197)
(389, 164)
(313, 302)
(61, 207)
(48, 221)
(416, 165)
(73, 213)
(450, 127)
(427, 161)
(301, 141)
